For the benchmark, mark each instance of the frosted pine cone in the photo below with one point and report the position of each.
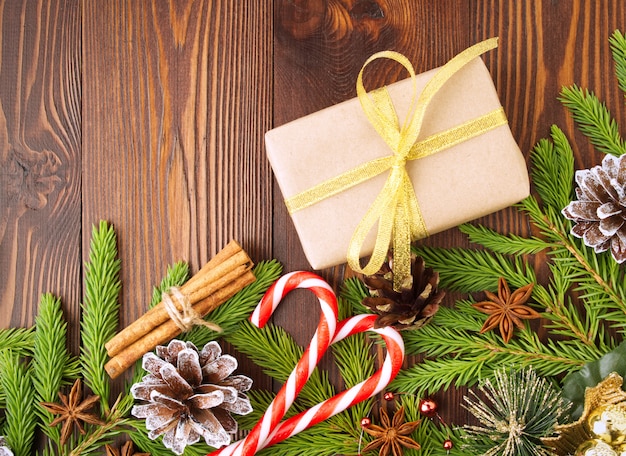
(4, 448)
(600, 211)
(190, 394)
(413, 305)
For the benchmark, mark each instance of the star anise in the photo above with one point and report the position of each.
(393, 435)
(126, 450)
(507, 310)
(72, 410)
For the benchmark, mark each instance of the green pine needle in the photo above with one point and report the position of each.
(618, 48)
(52, 365)
(500, 243)
(19, 340)
(594, 120)
(470, 271)
(553, 170)
(100, 309)
(515, 411)
(21, 419)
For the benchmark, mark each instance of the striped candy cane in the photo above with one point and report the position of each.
(319, 344)
(360, 392)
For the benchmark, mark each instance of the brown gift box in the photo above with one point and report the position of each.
(469, 180)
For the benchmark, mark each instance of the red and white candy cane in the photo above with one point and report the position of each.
(358, 393)
(320, 342)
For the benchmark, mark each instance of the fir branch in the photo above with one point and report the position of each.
(52, 364)
(260, 345)
(100, 309)
(618, 48)
(459, 355)
(19, 340)
(594, 120)
(229, 315)
(470, 271)
(553, 170)
(500, 243)
(21, 419)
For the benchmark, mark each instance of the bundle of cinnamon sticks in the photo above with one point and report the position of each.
(218, 280)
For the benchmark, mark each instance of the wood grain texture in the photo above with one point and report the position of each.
(40, 161)
(177, 98)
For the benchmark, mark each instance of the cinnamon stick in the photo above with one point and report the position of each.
(168, 330)
(214, 275)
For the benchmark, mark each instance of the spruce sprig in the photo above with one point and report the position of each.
(21, 419)
(594, 119)
(52, 365)
(100, 309)
(618, 48)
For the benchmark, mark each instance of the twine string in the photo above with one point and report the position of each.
(185, 318)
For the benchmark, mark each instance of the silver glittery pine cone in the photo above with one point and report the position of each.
(190, 394)
(600, 211)
(4, 448)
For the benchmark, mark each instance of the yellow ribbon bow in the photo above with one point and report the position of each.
(396, 209)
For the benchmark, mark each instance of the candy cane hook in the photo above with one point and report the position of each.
(360, 392)
(297, 379)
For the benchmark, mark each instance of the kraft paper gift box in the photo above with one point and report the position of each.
(473, 178)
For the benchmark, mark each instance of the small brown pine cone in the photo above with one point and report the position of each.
(413, 305)
(189, 394)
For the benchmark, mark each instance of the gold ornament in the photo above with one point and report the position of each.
(595, 448)
(608, 423)
(571, 436)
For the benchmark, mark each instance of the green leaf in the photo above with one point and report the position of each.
(21, 419)
(590, 375)
(100, 309)
(594, 120)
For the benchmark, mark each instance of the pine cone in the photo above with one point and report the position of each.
(410, 308)
(4, 448)
(191, 395)
(600, 210)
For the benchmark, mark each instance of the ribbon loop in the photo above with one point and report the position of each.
(396, 209)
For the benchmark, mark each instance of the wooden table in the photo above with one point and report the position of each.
(151, 115)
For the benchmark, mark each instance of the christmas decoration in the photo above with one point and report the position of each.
(410, 307)
(190, 394)
(506, 309)
(603, 404)
(599, 211)
(392, 435)
(516, 411)
(73, 410)
(4, 448)
(268, 431)
(126, 450)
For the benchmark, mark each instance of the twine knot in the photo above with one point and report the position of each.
(185, 318)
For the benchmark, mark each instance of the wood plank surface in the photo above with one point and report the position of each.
(151, 115)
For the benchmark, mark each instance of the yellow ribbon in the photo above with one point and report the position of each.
(396, 209)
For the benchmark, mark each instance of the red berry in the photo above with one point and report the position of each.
(389, 396)
(428, 407)
(365, 422)
(448, 445)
